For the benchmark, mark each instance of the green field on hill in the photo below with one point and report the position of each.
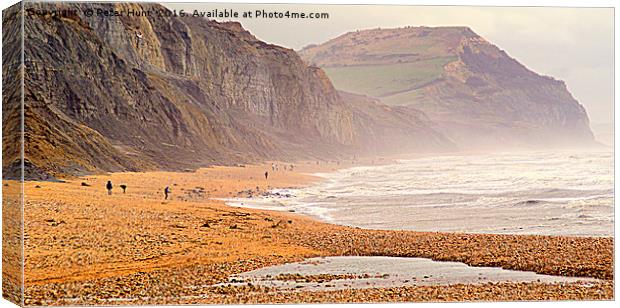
(382, 81)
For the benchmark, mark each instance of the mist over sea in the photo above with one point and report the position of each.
(550, 193)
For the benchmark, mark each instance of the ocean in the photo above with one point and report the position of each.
(549, 193)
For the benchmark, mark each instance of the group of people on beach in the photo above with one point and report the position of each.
(275, 167)
(109, 187)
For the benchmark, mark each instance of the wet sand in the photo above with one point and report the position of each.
(85, 247)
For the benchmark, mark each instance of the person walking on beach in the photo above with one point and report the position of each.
(123, 187)
(166, 192)
(266, 174)
(109, 187)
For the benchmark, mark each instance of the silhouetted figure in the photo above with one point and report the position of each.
(266, 174)
(123, 186)
(109, 187)
(166, 192)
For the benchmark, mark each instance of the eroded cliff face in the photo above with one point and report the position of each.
(393, 129)
(156, 92)
(487, 88)
(471, 90)
(11, 91)
(138, 92)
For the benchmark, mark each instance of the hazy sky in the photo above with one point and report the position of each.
(572, 44)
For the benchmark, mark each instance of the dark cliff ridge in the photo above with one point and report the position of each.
(472, 91)
(143, 93)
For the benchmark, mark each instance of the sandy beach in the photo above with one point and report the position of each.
(86, 247)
